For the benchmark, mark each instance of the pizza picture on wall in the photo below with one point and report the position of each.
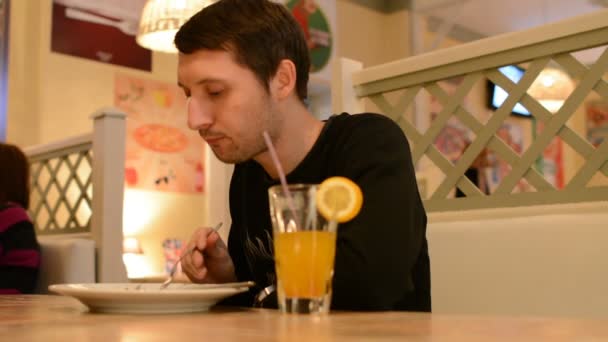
(162, 154)
(160, 138)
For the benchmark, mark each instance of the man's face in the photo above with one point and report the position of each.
(227, 104)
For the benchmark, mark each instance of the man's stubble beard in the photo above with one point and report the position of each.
(271, 123)
(239, 157)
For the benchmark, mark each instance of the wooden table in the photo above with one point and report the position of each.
(55, 318)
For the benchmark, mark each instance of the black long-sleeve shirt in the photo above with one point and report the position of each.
(382, 260)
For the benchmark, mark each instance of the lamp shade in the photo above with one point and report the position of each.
(551, 88)
(160, 20)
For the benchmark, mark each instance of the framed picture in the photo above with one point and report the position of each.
(4, 36)
(100, 30)
(511, 134)
(551, 164)
(454, 136)
(317, 18)
(597, 121)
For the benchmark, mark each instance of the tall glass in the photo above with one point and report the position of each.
(304, 249)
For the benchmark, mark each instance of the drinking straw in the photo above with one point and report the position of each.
(282, 178)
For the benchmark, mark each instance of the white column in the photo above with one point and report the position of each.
(109, 139)
(344, 98)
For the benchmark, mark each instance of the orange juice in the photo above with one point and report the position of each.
(304, 262)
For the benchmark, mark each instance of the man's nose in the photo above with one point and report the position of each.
(199, 117)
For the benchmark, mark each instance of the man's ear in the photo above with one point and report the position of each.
(284, 81)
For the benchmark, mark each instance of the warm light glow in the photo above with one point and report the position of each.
(181, 4)
(131, 245)
(552, 105)
(548, 80)
(137, 265)
(160, 20)
(551, 88)
(139, 210)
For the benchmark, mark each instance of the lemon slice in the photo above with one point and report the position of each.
(339, 199)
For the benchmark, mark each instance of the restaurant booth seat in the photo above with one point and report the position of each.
(549, 260)
(65, 260)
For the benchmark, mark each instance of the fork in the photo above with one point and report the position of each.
(189, 251)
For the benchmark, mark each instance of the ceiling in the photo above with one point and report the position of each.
(492, 17)
(476, 19)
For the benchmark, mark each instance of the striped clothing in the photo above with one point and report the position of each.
(19, 251)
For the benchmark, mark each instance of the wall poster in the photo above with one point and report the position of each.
(454, 137)
(551, 164)
(597, 121)
(512, 135)
(162, 153)
(317, 18)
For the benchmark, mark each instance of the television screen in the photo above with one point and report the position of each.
(497, 95)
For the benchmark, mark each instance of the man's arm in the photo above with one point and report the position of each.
(377, 251)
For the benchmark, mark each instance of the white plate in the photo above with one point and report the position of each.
(149, 298)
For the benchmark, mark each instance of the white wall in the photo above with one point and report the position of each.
(51, 96)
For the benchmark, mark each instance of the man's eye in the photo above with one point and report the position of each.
(214, 93)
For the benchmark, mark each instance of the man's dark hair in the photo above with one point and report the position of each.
(14, 176)
(259, 33)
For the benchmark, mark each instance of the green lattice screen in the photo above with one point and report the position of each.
(522, 166)
(61, 190)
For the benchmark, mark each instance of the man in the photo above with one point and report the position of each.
(244, 66)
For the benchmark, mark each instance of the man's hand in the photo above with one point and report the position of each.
(209, 262)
